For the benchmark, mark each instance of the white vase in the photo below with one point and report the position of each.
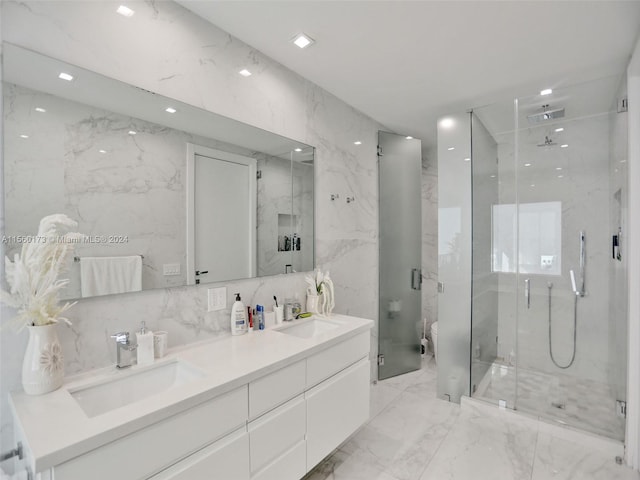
(43, 365)
(315, 303)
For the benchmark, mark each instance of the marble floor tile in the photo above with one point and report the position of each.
(402, 440)
(412, 435)
(561, 459)
(485, 447)
(381, 396)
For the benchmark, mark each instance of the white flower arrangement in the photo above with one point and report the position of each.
(321, 284)
(33, 274)
(315, 281)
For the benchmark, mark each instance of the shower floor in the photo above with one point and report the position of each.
(581, 404)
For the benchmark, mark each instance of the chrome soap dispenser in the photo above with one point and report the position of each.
(145, 345)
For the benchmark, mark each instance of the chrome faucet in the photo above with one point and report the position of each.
(123, 345)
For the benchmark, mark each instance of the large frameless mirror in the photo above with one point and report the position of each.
(168, 194)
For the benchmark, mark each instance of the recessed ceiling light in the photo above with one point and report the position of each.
(527, 164)
(558, 168)
(125, 11)
(409, 137)
(245, 73)
(467, 159)
(24, 136)
(532, 185)
(546, 91)
(102, 151)
(564, 145)
(170, 110)
(451, 148)
(65, 76)
(560, 176)
(560, 129)
(623, 161)
(303, 41)
(297, 150)
(40, 109)
(357, 143)
(132, 132)
(446, 122)
(493, 176)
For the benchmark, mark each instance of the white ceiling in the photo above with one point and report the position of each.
(406, 63)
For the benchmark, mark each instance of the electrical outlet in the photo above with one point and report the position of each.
(171, 269)
(216, 299)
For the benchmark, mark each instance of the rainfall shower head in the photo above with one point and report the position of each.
(547, 142)
(546, 114)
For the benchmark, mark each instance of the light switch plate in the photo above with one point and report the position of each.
(216, 299)
(171, 269)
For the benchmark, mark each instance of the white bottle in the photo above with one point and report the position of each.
(238, 317)
(144, 351)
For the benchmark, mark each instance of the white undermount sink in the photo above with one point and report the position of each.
(308, 328)
(134, 385)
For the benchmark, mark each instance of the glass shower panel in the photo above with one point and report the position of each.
(400, 326)
(563, 165)
(493, 332)
(454, 256)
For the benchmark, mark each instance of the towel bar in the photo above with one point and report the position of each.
(77, 259)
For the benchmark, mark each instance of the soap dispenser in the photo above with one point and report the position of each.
(145, 345)
(238, 317)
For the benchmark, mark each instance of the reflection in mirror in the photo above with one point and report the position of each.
(146, 176)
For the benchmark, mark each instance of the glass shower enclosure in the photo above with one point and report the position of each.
(546, 318)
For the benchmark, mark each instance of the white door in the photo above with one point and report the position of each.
(221, 216)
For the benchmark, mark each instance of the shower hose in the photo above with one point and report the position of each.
(575, 329)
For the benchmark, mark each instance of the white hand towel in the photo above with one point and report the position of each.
(107, 275)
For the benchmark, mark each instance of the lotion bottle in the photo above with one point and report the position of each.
(238, 317)
(144, 351)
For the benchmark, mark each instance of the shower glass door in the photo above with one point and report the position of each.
(569, 343)
(400, 325)
(494, 252)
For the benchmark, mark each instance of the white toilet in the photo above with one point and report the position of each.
(434, 339)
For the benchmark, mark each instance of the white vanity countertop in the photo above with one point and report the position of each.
(57, 429)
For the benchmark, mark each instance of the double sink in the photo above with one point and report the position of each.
(142, 382)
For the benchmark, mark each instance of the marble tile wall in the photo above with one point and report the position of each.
(166, 49)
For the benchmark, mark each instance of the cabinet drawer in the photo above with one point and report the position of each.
(151, 449)
(335, 409)
(276, 432)
(290, 466)
(330, 361)
(276, 388)
(225, 459)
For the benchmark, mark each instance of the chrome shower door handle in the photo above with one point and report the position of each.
(527, 291)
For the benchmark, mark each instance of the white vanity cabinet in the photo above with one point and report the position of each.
(225, 459)
(158, 446)
(337, 395)
(336, 408)
(276, 425)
